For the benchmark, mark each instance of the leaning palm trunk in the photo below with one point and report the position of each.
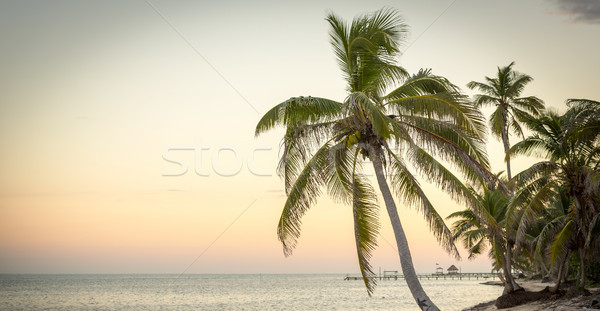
(408, 269)
(506, 144)
(561, 273)
(582, 267)
(510, 285)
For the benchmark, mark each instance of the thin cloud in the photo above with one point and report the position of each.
(579, 11)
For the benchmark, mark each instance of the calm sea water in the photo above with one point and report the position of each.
(227, 292)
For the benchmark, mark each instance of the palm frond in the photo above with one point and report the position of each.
(297, 147)
(297, 111)
(451, 148)
(379, 121)
(407, 187)
(445, 106)
(560, 244)
(301, 197)
(341, 169)
(423, 82)
(366, 227)
(489, 92)
(548, 233)
(537, 170)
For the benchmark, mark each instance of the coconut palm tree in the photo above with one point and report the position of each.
(477, 235)
(486, 228)
(421, 121)
(555, 239)
(504, 92)
(571, 144)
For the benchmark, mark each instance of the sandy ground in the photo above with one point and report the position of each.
(564, 304)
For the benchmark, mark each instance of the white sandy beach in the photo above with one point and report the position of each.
(565, 304)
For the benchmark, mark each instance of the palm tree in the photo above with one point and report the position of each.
(327, 142)
(555, 240)
(478, 234)
(504, 92)
(571, 144)
(484, 229)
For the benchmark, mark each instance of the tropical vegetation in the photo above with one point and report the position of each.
(511, 109)
(411, 126)
(396, 120)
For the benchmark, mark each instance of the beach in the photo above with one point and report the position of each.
(553, 303)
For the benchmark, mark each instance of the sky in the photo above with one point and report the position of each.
(127, 127)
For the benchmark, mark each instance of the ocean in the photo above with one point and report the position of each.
(228, 292)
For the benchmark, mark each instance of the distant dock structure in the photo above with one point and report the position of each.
(393, 275)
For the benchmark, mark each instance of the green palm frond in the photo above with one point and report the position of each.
(531, 146)
(341, 170)
(466, 220)
(537, 170)
(497, 251)
(531, 104)
(435, 172)
(535, 197)
(301, 197)
(497, 122)
(367, 47)
(366, 227)
(444, 106)
(447, 130)
(516, 84)
(408, 189)
(448, 146)
(297, 148)
(488, 92)
(423, 82)
(548, 233)
(560, 244)
(516, 127)
(479, 246)
(379, 121)
(297, 111)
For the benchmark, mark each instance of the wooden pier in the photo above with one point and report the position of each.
(433, 276)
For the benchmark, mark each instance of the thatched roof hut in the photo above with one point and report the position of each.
(452, 270)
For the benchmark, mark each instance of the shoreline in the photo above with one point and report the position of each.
(591, 301)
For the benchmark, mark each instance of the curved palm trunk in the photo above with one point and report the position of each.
(408, 269)
(582, 267)
(508, 268)
(510, 285)
(506, 147)
(508, 282)
(561, 272)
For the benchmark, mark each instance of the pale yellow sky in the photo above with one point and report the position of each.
(95, 96)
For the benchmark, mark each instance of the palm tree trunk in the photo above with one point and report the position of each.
(501, 277)
(509, 277)
(508, 283)
(582, 271)
(408, 269)
(561, 272)
(506, 143)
